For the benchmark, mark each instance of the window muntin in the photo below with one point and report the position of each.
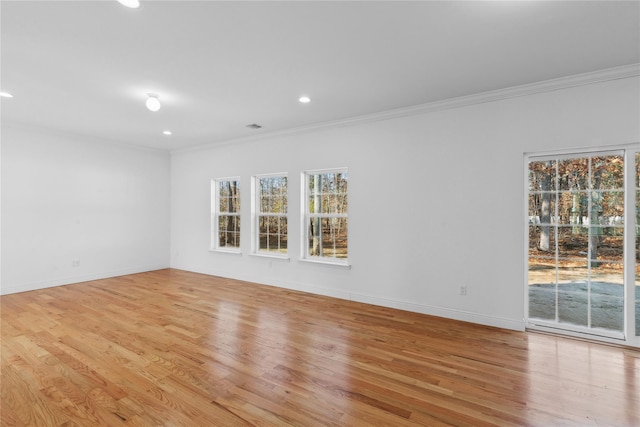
(226, 214)
(271, 205)
(326, 215)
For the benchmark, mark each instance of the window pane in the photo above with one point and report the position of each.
(542, 176)
(573, 174)
(542, 301)
(273, 194)
(542, 271)
(229, 231)
(335, 203)
(542, 241)
(572, 244)
(229, 196)
(272, 233)
(314, 237)
(607, 299)
(542, 288)
(235, 204)
(572, 208)
(611, 207)
(224, 188)
(224, 192)
(276, 204)
(573, 295)
(328, 237)
(328, 193)
(607, 172)
(609, 245)
(542, 208)
(334, 237)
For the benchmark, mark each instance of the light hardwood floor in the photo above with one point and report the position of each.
(173, 348)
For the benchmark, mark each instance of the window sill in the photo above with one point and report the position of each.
(226, 251)
(271, 256)
(338, 264)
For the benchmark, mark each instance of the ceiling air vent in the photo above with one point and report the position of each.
(254, 126)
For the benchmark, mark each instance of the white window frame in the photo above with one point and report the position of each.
(257, 214)
(628, 336)
(216, 214)
(306, 217)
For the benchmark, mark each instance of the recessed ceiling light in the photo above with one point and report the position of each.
(133, 4)
(166, 132)
(254, 126)
(6, 95)
(304, 99)
(153, 103)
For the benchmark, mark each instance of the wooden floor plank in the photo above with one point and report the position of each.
(171, 347)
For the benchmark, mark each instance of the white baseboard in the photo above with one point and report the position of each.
(32, 286)
(399, 304)
(449, 313)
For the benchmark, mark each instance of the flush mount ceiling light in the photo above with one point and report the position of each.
(153, 103)
(6, 95)
(254, 126)
(167, 132)
(133, 4)
(304, 99)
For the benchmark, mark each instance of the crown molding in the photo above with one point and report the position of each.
(617, 73)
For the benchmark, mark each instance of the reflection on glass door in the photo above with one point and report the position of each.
(576, 243)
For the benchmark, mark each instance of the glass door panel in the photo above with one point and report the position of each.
(573, 294)
(607, 297)
(542, 288)
(576, 242)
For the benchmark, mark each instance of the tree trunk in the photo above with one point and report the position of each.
(231, 227)
(545, 213)
(575, 213)
(595, 231)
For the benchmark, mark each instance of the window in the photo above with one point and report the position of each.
(325, 216)
(270, 215)
(225, 224)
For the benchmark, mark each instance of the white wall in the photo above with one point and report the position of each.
(436, 199)
(67, 199)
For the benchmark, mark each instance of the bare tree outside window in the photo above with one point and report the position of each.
(576, 241)
(226, 214)
(271, 214)
(326, 214)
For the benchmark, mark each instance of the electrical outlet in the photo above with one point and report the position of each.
(463, 290)
(75, 263)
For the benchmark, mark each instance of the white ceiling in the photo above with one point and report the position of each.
(85, 67)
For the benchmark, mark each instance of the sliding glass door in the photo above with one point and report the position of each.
(576, 243)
